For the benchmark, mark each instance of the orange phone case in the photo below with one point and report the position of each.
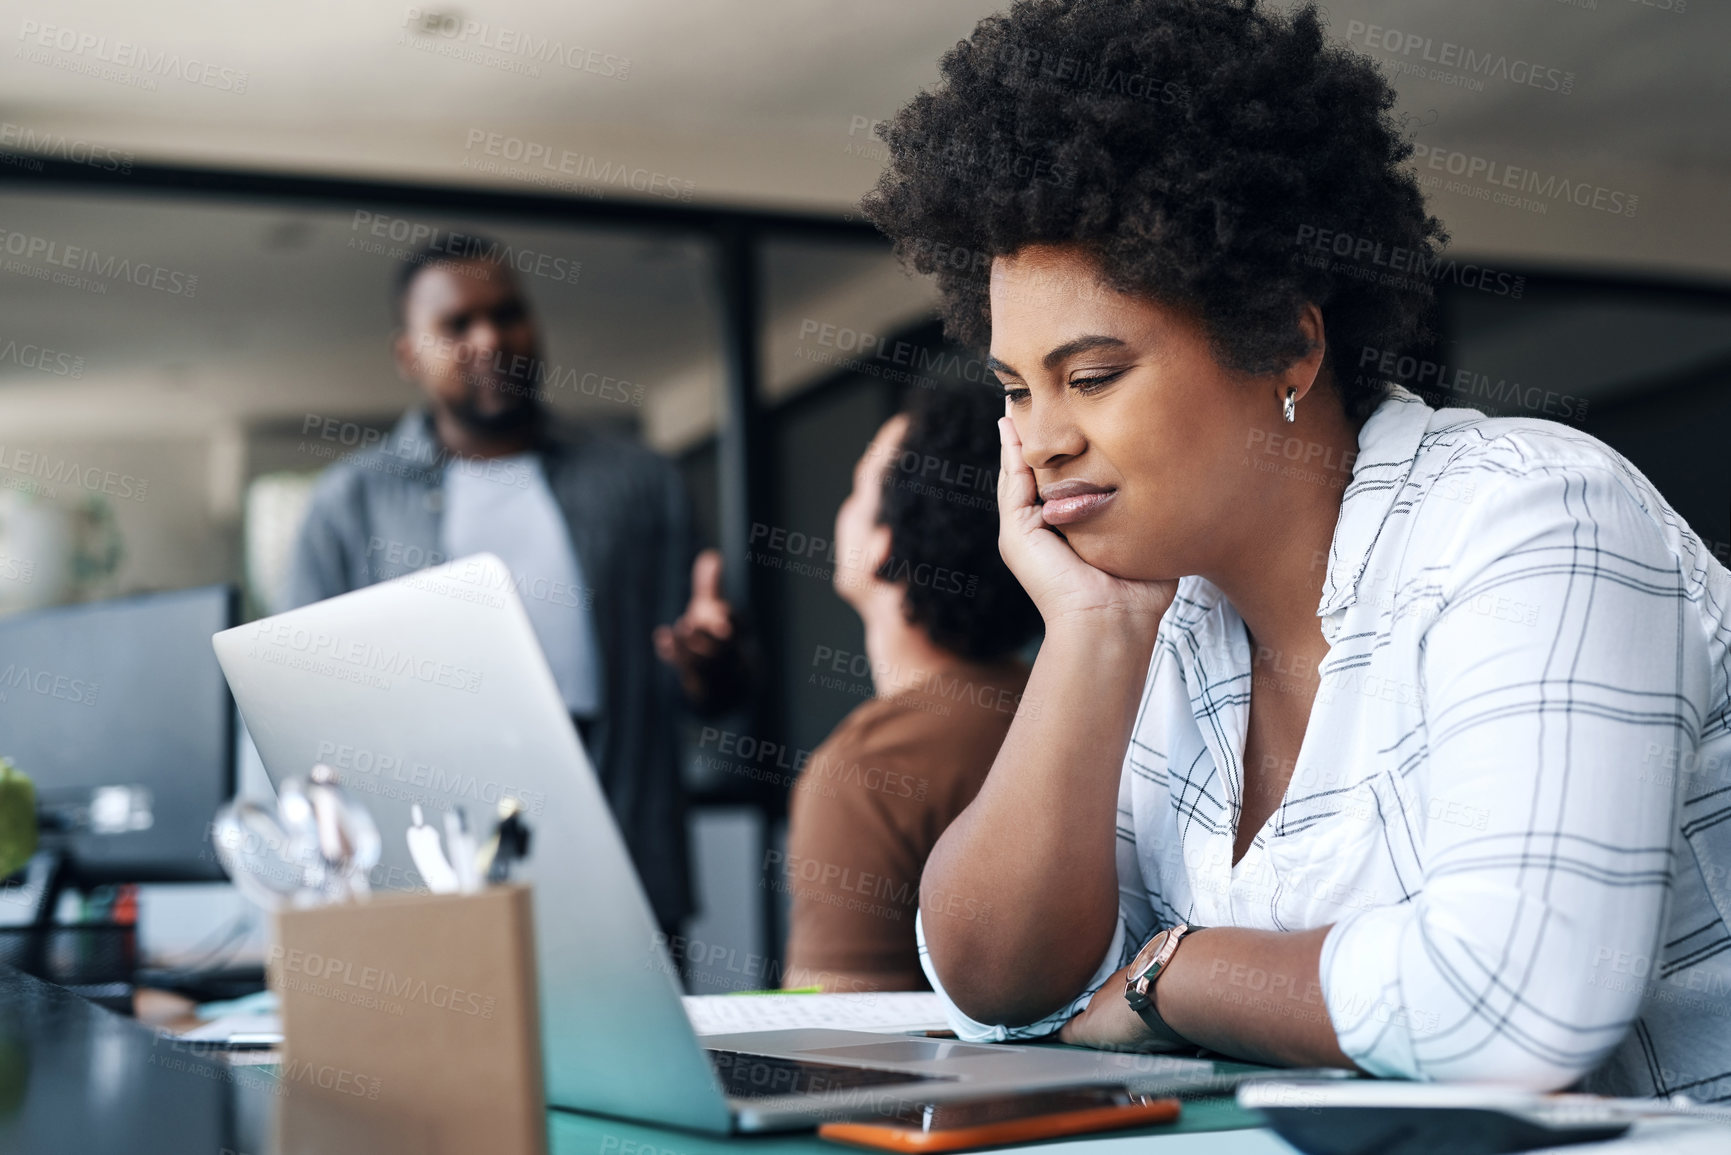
(893, 1138)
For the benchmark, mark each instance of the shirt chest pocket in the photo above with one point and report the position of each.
(1331, 851)
(1332, 862)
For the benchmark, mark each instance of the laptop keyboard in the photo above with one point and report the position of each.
(746, 1076)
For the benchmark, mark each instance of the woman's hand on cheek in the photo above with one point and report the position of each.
(1063, 586)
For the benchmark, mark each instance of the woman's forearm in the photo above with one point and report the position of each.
(1252, 994)
(1037, 847)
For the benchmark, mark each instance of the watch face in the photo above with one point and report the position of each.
(1146, 956)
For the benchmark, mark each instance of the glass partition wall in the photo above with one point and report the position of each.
(181, 353)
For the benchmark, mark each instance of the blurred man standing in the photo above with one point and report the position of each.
(595, 529)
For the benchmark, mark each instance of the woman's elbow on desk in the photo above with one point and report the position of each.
(996, 988)
(986, 985)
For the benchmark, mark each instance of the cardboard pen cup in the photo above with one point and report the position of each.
(410, 1022)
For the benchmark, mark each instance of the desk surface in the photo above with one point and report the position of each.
(75, 1077)
(1214, 1126)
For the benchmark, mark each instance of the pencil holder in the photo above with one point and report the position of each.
(410, 1023)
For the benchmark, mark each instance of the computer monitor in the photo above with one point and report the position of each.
(124, 694)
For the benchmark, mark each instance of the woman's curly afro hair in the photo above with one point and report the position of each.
(1198, 149)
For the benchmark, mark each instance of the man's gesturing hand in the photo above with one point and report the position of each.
(702, 645)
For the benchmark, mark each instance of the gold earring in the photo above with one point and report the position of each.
(1289, 410)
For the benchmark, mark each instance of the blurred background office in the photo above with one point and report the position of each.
(202, 205)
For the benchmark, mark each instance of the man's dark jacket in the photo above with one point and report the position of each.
(376, 515)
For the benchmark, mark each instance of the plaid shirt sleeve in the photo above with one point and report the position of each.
(1488, 972)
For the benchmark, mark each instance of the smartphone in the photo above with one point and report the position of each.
(966, 1124)
(1395, 1118)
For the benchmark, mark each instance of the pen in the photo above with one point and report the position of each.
(509, 843)
(436, 870)
(460, 845)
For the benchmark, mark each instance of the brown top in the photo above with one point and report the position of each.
(867, 809)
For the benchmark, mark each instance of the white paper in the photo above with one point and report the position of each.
(221, 1029)
(888, 1012)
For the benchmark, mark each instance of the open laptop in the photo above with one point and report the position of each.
(432, 689)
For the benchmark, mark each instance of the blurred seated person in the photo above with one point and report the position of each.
(596, 531)
(917, 558)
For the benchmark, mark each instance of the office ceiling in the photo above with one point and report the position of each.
(763, 102)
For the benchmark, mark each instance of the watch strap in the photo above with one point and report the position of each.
(1144, 1005)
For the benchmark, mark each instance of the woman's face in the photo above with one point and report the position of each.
(1140, 441)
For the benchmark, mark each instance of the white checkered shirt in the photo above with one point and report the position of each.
(1513, 798)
